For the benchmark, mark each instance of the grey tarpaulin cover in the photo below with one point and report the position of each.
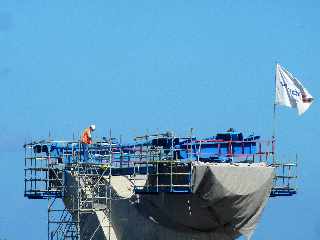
(236, 194)
(227, 201)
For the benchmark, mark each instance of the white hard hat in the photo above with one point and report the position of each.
(93, 127)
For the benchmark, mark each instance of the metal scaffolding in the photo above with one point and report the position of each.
(55, 170)
(76, 178)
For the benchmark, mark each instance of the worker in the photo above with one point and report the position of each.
(86, 139)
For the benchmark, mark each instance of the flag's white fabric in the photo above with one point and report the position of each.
(290, 92)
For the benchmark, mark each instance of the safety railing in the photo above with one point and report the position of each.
(228, 151)
(150, 156)
(43, 175)
(285, 180)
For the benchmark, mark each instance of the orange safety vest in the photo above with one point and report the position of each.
(86, 136)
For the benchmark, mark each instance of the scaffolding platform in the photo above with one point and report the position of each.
(284, 183)
(165, 161)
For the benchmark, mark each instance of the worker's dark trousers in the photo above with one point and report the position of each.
(85, 150)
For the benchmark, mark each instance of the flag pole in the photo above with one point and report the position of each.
(274, 121)
(274, 117)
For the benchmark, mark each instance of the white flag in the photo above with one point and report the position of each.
(290, 92)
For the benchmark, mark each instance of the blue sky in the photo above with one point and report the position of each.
(137, 66)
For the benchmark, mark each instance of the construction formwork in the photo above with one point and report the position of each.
(76, 178)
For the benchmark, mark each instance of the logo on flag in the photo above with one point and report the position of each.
(290, 92)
